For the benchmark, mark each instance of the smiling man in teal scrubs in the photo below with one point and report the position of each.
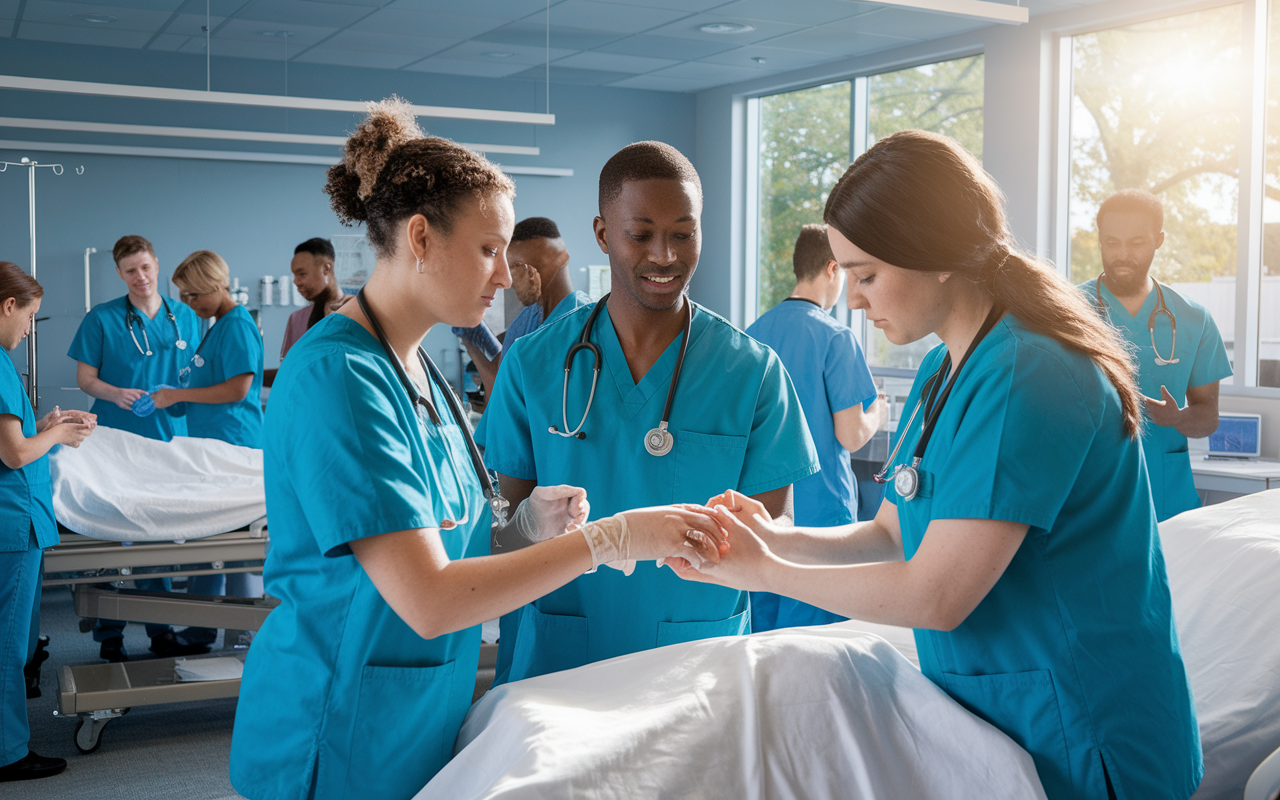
(734, 418)
(1180, 353)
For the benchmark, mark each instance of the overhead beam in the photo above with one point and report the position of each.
(970, 9)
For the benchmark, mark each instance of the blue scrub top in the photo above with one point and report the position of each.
(1073, 653)
(103, 341)
(1202, 359)
(26, 494)
(737, 424)
(233, 346)
(340, 698)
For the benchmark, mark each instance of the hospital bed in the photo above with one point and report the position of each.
(842, 710)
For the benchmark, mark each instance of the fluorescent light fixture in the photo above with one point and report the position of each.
(101, 19)
(726, 27)
(265, 100)
(226, 155)
(972, 9)
(276, 34)
(213, 133)
(499, 54)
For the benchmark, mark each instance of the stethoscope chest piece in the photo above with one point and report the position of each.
(198, 360)
(659, 441)
(906, 482)
(181, 344)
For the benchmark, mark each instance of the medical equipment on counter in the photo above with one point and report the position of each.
(657, 441)
(1160, 308)
(266, 291)
(906, 478)
(88, 251)
(131, 314)
(422, 404)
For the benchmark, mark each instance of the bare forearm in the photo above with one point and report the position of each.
(96, 388)
(856, 543)
(18, 451)
(1198, 420)
(887, 593)
(226, 392)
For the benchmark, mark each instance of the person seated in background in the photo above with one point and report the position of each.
(840, 403)
(124, 349)
(221, 387)
(312, 268)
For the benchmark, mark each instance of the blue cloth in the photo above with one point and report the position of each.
(233, 346)
(481, 338)
(737, 424)
(18, 590)
(1202, 359)
(340, 698)
(830, 374)
(145, 406)
(1073, 653)
(103, 341)
(26, 494)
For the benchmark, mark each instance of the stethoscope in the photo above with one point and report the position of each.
(906, 479)
(184, 374)
(657, 441)
(1160, 308)
(423, 406)
(131, 314)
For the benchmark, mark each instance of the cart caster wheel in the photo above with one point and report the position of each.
(88, 736)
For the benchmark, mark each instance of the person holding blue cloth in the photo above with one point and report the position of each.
(1181, 357)
(665, 402)
(358, 682)
(125, 349)
(1018, 535)
(840, 401)
(26, 508)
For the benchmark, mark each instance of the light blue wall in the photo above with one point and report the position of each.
(253, 214)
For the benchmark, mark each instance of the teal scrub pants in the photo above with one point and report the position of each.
(19, 585)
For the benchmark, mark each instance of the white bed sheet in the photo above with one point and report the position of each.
(123, 487)
(811, 713)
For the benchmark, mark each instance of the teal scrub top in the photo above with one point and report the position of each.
(26, 494)
(340, 698)
(233, 346)
(737, 424)
(103, 341)
(1202, 359)
(1073, 653)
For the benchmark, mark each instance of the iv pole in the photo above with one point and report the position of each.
(33, 391)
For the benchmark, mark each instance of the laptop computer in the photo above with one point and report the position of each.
(1237, 436)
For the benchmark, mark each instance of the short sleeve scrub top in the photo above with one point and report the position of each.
(232, 347)
(1073, 653)
(340, 698)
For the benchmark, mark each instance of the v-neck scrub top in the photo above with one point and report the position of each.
(1202, 359)
(340, 698)
(233, 346)
(1073, 653)
(737, 424)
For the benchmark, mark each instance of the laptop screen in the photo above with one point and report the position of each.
(1238, 435)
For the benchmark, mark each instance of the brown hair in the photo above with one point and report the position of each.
(17, 284)
(920, 201)
(130, 245)
(812, 253)
(391, 171)
(202, 271)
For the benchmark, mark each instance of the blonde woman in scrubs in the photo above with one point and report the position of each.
(357, 684)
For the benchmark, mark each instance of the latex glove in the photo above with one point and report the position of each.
(144, 406)
(549, 511)
(652, 533)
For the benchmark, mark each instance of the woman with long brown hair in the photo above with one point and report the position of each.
(1017, 535)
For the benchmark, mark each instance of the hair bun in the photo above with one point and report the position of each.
(390, 124)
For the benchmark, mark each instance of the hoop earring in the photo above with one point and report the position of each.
(420, 267)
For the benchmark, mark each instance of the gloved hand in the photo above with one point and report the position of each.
(653, 533)
(144, 406)
(550, 511)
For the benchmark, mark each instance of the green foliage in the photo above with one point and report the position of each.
(943, 98)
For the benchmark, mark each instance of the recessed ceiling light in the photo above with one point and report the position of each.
(726, 27)
(499, 55)
(276, 34)
(101, 19)
(759, 59)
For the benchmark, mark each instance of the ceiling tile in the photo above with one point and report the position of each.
(267, 49)
(688, 6)
(480, 51)
(776, 59)
(216, 8)
(688, 29)
(479, 69)
(246, 30)
(283, 12)
(168, 42)
(370, 42)
(168, 6)
(533, 34)
(615, 62)
(498, 9)
(655, 83)
(356, 58)
(666, 47)
(72, 34)
(604, 17)
(127, 19)
(428, 23)
(907, 24)
(581, 77)
(837, 43)
(9, 10)
(802, 12)
(700, 70)
(192, 25)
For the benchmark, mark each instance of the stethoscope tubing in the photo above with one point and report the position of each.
(1160, 308)
(131, 313)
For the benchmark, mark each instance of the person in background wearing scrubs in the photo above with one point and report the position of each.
(840, 401)
(126, 348)
(1181, 397)
(312, 268)
(734, 418)
(1018, 537)
(26, 506)
(357, 684)
(221, 388)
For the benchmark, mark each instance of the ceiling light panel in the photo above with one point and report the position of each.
(804, 12)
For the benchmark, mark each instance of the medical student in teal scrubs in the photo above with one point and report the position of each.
(221, 388)
(26, 507)
(1017, 535)
(684, 404)
(126, 348)
(1181, 357)
(357, 684)
(840, 401)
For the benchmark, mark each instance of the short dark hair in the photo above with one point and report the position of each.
(644, 161)
(320, 248)
(131, 245)
(1133, 200)
(534, 228)
(812, 253)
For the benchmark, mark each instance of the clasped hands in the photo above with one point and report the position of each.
(74, 424)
